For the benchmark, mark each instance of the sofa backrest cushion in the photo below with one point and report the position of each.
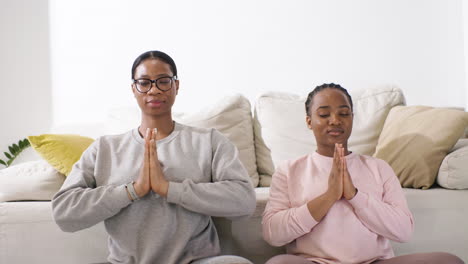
(232, 116)
(415, 140)
(281, 132)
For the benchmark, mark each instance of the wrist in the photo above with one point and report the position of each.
(131, 192)
(164, 188)
(332, 195)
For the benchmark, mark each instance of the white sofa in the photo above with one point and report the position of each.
(276, 131)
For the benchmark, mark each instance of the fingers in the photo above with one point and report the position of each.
(336, 155)
(147, 148)
(155, 132)
(345, 165)
(152, 152)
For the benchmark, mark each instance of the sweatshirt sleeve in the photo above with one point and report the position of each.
(230, 194)
(79, 204)
(389, 216)
(281, 223)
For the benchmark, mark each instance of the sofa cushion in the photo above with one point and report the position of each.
(232, 116)
(281, 132)
(33, 180)
(453, 172)
(415, 140)
(60, 151)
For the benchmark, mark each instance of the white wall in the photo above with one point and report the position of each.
(465, 29)
(25, 86)
(223, 47)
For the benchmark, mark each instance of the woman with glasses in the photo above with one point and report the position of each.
(335, 206)
(157, 186)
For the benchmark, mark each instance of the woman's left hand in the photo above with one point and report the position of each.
(349, 191)
(159, 184)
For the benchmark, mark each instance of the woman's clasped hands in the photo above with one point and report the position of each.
(151, 176)
(340, 183)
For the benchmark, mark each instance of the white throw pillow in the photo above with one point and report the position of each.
(33, 180)
(453, 172)
(281, 132)
(232, 116)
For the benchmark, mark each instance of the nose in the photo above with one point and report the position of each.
(334, 119)
(153, 89)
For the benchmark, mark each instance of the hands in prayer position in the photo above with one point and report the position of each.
(151, 176)
(340, 183)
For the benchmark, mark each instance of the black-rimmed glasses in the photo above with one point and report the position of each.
(163, 83)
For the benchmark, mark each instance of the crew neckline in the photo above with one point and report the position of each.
(316, 155)
(172, 135)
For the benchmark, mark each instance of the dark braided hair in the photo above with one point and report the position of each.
(324, 86)
(154, 54)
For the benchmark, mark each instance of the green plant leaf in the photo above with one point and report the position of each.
(12, 150)
(16, 148)
(9, 162)
(20, 144)
(3, 162)
(7, 155)
(26, 141)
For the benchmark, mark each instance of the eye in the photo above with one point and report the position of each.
(323, 115)
(164, 81)
(143, 82)
(344, 114)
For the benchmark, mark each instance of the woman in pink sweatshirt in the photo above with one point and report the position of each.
(335, 206)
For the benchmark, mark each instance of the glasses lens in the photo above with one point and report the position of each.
(143, 85)
(164, 83)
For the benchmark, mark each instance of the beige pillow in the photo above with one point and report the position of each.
(415, 140)
(453, 172)
(232, 116)
(281, 132)
(32, 180)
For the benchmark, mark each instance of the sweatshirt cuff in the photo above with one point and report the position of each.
(121, 197)
(306, 221)
(360, 200)
(174, 192)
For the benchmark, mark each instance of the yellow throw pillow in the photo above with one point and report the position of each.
(415, 140)
(60, 151)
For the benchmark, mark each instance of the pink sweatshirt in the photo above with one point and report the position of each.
(354, 231)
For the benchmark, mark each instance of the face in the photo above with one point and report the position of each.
(155, 102)
(331, 119)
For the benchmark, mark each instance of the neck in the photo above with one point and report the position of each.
(328, 150)
(164, 124)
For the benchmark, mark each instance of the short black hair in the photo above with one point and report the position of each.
(324, 86)
(154, 54)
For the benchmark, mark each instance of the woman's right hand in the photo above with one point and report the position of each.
(143, 184)
(335, 181)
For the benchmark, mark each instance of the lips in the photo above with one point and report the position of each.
(154, 102)
(335, 131)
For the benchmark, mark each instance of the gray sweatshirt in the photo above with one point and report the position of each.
(205, 178)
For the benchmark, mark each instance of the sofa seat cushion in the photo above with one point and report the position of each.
(27, 230)
(28, 234)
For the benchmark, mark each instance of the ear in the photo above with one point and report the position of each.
(309, 122)
(177, 86)
(134, 90)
